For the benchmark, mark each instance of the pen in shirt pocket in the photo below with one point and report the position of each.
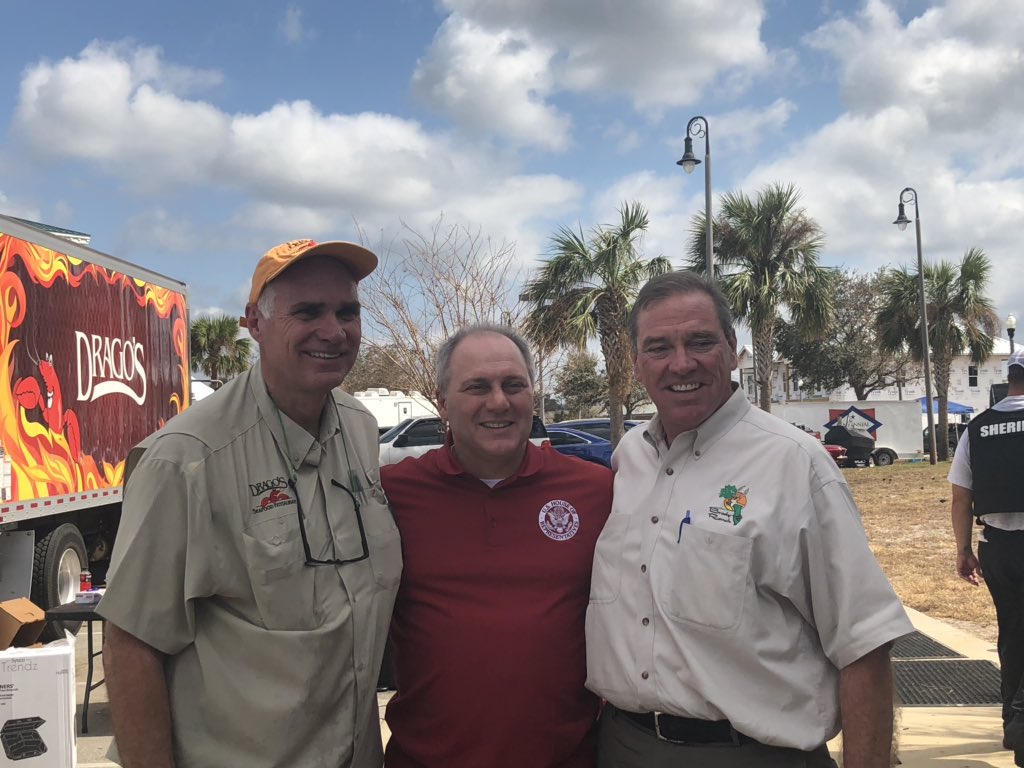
(684, 521)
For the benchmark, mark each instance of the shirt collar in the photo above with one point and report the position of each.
(709, 431)
(448, 462)
(304, 448)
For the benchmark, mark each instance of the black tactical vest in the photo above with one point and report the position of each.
(997, 461)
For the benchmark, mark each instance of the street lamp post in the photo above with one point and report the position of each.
(1011, 326)
(698, 126)
(909, 195)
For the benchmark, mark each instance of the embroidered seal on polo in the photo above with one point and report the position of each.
(559, 520)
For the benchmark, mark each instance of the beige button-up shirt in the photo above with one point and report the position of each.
(270, 662)
(733, 579)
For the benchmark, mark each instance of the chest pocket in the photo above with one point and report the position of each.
(282, 585)
(704, 579)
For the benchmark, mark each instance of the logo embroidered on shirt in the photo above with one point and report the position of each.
(734, 500)
(273, 500)
(265, 485)
(559, 520)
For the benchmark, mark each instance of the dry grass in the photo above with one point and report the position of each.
(905, 509)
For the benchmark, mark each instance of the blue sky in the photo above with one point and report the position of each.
(190, 137)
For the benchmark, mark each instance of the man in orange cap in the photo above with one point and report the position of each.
(256, 564)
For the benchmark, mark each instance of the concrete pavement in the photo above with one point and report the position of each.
(929, 737)
(952, 737)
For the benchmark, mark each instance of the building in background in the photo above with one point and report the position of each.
(969, 384)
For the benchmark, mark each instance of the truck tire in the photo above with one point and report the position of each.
(884, 457)
(59, 561)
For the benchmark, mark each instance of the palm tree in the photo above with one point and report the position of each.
(960, 317)
(767, 261)
(586, 289)
(216, 348)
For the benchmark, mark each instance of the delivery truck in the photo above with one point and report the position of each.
(93, 358)
(895, 425)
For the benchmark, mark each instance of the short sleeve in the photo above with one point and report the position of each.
(960, 470)
(855, 609)
(147, 583)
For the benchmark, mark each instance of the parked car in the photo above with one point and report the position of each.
(414, 437)
(953, 435)
(808, 430)
(582, 445)
(838, 454)
(599, 427)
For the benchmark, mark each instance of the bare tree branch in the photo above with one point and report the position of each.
(428, 286)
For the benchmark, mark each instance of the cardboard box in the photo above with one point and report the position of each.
(21, 622)
(37, 706)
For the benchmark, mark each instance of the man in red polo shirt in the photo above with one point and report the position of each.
(498, 540)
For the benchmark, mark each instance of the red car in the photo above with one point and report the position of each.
(838, 453)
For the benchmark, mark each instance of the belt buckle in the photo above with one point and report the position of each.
(658, 733)
(734, 736)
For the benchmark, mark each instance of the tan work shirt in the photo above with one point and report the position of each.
(270, 662)
(733, 579)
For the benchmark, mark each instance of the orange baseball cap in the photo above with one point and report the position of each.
(359, 260)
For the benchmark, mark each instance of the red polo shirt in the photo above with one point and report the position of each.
(488, 628)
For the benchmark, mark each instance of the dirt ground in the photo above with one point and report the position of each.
(905, 508)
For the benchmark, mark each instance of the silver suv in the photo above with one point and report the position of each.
(414, 437)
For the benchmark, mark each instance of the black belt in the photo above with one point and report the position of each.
(687, 730)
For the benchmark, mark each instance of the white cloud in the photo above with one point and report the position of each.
(626, 139)
(959, 63)
(499, 65)
(656, 53)
(933, 103)
(117, 106)
(296, 165)
(744, 129)
(492, 81)
(292, 28)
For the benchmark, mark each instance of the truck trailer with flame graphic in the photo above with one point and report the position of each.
(93, 358)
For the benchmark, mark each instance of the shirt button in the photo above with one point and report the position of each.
(643, 569)
(645, 621)
(644, 675)
(654, 519)
(696, 453)
(275, 540)
(670, 471)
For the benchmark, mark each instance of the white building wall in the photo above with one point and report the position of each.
(966, 387)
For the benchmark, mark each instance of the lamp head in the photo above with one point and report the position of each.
(689, 161)
(1011, 324)
(902, 220)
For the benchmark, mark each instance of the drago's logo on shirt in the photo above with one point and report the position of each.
(559, 520)
(734, 501)
(273, 500)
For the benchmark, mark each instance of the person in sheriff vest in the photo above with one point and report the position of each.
(986, 475)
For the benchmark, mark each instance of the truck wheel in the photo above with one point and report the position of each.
(59, 560)
(884, 458)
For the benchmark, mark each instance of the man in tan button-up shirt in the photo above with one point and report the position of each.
(256, 565)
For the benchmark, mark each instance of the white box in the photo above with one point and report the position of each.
(37, 706)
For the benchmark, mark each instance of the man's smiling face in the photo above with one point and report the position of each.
(684, 359)
(488, 404)
(310, 338)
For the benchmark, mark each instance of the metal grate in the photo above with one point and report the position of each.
(918, 646)
(947, 683)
